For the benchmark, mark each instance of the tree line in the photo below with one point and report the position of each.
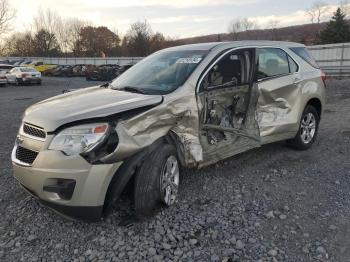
(51, 35)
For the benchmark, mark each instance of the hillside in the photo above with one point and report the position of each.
(306, 34)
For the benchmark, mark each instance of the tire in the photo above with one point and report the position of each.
(307, 133)
(17, 82)
(151, 176)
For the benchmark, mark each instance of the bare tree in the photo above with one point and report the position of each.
(7, 13)
(248, 24)
(47, 20)
(234, 28)
(137, 40)
(317, 11)
(69, 34)
(273, 25)
(66, 31)
(311, 13)
(240, 25)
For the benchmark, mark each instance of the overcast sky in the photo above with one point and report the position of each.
(175, 18)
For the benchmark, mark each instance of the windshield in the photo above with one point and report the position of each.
(160, 73)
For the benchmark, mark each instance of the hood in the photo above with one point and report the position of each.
(86, 103)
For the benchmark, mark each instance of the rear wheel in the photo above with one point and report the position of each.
(308, 128)
(17, 82)
(157, 181)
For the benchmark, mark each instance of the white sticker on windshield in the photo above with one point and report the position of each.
(188, 60)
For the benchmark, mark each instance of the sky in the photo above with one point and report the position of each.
(174, 18)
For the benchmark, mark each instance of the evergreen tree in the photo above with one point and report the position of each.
(337, 29)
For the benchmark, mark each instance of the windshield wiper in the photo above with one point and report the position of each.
(132, 89)
(105, 85)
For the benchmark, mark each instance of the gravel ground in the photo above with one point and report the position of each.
(269, 204)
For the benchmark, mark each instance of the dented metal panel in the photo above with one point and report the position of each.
(271, 108)
(278, 105)
(178, 113)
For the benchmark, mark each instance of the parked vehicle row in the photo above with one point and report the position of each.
(106, 72)
(20, 75)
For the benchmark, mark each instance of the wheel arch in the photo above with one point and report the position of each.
(316, 103)
(128, 169)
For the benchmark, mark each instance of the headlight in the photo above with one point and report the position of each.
(79, 139)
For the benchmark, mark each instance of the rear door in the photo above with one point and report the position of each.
(229, 97)
(278, 83)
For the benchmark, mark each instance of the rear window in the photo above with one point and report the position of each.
(305, 55)
(27, 70)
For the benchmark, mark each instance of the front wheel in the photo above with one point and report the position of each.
(157, 181)
(308, 129)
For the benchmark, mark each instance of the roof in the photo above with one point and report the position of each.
(232, 44)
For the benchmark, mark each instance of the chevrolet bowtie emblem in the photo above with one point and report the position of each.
(19, 140)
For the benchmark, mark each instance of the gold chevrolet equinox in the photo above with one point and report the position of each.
(182, 107)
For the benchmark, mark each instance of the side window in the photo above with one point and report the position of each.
(232, 70)
(272, 62)
(293, 67)
(304, 54)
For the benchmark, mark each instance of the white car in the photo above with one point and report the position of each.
(23, 75)
(4, 69)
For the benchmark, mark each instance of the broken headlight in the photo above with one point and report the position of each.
(80, 139)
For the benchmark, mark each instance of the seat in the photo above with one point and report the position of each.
(272, 67)
(231, 70)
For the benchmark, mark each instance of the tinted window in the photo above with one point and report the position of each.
(293, 67)
(232, 70)
(305, 55)
(272, 62)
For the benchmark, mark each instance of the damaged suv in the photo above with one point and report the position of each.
(186, 106)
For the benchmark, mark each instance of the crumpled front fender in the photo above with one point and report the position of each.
(178, 114)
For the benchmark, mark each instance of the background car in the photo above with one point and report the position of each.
(17, 63)
(122, 69)
(4, 69)
(24, 63)
(23, 75)
(40, 66)
(59, 70)
(79, 70)
(103, 72)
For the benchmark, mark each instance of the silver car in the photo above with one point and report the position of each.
(4, 69)
(23, 75)
(182, 107)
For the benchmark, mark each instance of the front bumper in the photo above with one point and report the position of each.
(49, 167)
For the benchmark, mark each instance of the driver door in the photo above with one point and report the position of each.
(228, 96)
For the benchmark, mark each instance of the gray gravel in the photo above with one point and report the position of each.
(269, 204)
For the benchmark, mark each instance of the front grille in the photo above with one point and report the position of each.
(34, 131)
(26, 155)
